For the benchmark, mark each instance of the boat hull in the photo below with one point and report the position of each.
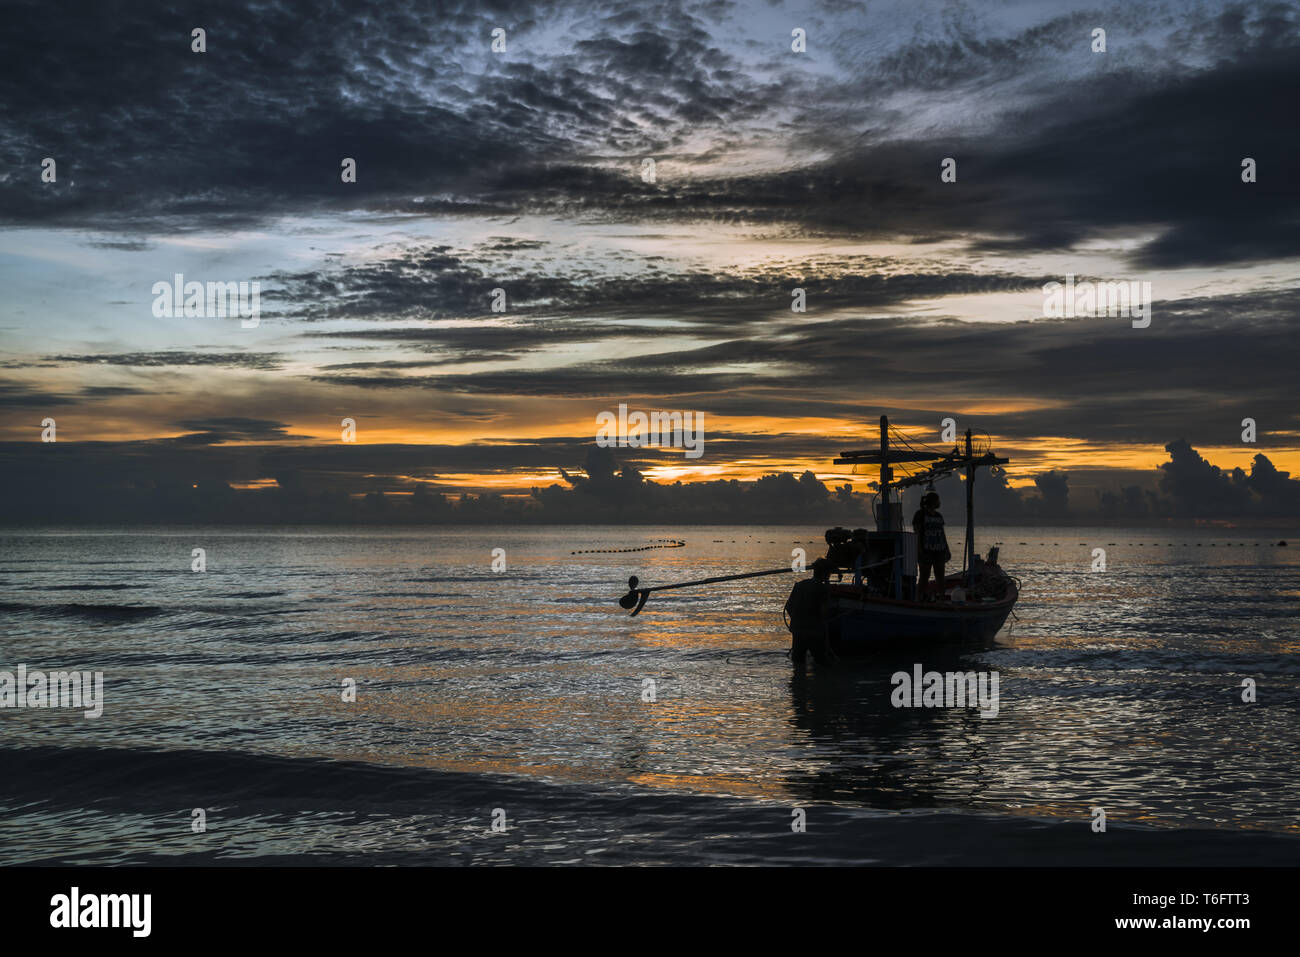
(861, 624)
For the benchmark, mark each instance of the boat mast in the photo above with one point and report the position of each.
(970, 514)
(884, 521)
(939, 464)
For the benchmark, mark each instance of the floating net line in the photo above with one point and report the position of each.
(661, 543)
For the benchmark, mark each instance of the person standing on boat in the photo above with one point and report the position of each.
(931, 543)
(808, 607)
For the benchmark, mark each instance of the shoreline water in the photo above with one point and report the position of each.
(341, 809)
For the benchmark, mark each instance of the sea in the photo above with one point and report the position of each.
(477, 696)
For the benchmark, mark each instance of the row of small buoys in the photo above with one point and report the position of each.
(663, 543)
(1281, 544)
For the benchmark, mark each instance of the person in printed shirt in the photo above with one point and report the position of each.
(931, 543)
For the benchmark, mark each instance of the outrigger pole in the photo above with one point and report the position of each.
(636, 597)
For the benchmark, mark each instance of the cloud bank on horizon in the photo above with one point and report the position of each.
(523, 169)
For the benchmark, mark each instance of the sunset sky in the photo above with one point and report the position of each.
(523, 170)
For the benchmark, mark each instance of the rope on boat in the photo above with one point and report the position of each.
(667, 543)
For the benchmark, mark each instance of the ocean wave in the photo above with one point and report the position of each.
(93, 612)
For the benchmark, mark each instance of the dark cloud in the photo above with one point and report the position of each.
(1054, 492)
(112, 391)
(151, 136)
(123, 245)
(438, 283)
(233, 360)
(381, 365)
(232, 429)
(148, 133)
(14, 395)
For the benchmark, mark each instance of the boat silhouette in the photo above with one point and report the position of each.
(875, 602)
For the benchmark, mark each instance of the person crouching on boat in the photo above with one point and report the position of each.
(808, 607)
(931, 544)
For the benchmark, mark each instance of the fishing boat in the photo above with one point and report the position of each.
(874, 602)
